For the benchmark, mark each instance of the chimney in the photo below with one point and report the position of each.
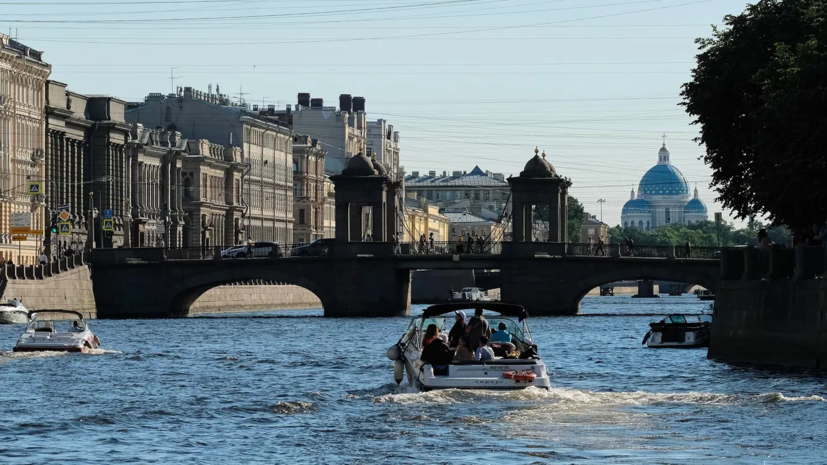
(456, 174)
(359, 104)
(346, 102)
(316, 103)
(415, 174)
(304, 99)
(432, 174)
(444, 174)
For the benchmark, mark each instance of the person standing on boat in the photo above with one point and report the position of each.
(458, 330)
(477, 328)
(484, 352)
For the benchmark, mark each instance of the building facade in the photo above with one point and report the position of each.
(662, 198)
(479, 192)
(309, 195)
(422, 218)
(155, 174)
(23, 75)
(266, 189)
(463, 224)
(342, 132)
(383, 143)
(593, 230)
(86, 168)
(211, 195)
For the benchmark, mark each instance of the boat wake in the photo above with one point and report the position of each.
(9, 355)
(565, 398)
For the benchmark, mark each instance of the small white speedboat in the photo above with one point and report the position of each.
(679, 331)
(42, 335)
(508, 372)
(13, 312)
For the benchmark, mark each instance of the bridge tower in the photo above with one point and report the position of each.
(538, 186)
(361, 201)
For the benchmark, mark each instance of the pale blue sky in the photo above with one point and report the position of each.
(592, 82)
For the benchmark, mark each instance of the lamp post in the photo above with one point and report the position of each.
(601, 202)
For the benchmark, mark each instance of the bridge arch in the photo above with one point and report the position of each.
(185, 292)
(655, 272)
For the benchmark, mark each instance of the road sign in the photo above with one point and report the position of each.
(35, 188)
(21, 223)
(65, 229)
(64, 216)
(108, 225)
(160, 229)
(20, 238)
(107, 213)
(62, 207)
(36, 232)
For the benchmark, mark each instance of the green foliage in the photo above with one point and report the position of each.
(703, 234)
(759, 94)
(575, 219)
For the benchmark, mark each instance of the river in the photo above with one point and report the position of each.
(292, 387)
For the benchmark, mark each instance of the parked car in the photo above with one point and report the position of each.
(257, 250)
(313, 249)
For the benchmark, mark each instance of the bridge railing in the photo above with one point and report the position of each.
(711, 253)
(585, 250)
(450, 248)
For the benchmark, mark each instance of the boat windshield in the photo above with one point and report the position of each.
(679, 319)
(706, 318)
(512, 327)
(64, 326)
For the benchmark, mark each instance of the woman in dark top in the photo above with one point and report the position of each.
(458, 330)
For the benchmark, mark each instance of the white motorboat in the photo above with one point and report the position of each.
(41, 334)
(507, 372)
(13, 312)
(679, 331)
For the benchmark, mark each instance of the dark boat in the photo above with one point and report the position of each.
(679, 331)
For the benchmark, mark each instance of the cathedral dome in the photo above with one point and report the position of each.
(636, 206)
(696, 205)
(663, 179)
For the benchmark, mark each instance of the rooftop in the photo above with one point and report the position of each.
(464, 218)
(476, 178)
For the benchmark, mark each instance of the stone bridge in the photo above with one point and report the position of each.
(142, 283)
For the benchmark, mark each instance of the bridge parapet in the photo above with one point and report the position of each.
(355, 249)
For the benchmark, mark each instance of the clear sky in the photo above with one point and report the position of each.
(594, 83)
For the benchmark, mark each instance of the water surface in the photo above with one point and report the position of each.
(292, 387)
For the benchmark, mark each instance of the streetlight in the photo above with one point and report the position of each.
(601, 202)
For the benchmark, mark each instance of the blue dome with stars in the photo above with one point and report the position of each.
(636, 206)
(663, 179)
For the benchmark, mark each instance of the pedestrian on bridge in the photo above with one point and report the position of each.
(599, 247)
(397, 249)
(688, 249)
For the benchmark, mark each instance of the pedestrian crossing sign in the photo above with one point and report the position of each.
(34, 188)
(109, 225)
(65, 229)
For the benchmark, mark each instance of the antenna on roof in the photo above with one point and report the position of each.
(241, 95)
(172, 79)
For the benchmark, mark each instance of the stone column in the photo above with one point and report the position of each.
(564, 216)
(517, 221)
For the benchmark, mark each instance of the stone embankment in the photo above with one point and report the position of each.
(60, 285)
(770, 308)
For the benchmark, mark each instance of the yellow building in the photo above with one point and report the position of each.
(23, 77)
(422, 218)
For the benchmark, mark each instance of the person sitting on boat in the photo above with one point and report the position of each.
(458, 330)
(76, 327)
(502, 334)
(431, 333)
(463, 351)
(529, 351)
(484, 352)
(476, 328)
(438, 354)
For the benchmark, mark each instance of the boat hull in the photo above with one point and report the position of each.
(13, 317)
(51, 349)
(677, 339)
(482, 375)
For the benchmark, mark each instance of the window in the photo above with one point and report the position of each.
(486, 195)
(429, 195)
(203, 186)
(640, 224)
(647, 225)
(301, 216)
(468, 195)
(668, 215)
(295, 165)
(476, 195)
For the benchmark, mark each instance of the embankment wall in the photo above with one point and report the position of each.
(69, 290)
(771, 322)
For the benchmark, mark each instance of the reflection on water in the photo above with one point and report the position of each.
(290, 387)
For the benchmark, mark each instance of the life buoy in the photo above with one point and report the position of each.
(526, 376)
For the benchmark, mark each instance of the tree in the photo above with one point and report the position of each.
(701, 234)
(574, 217)
(759, 93)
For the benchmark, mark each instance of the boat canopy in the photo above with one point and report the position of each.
(511, 310)
(70, 312)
